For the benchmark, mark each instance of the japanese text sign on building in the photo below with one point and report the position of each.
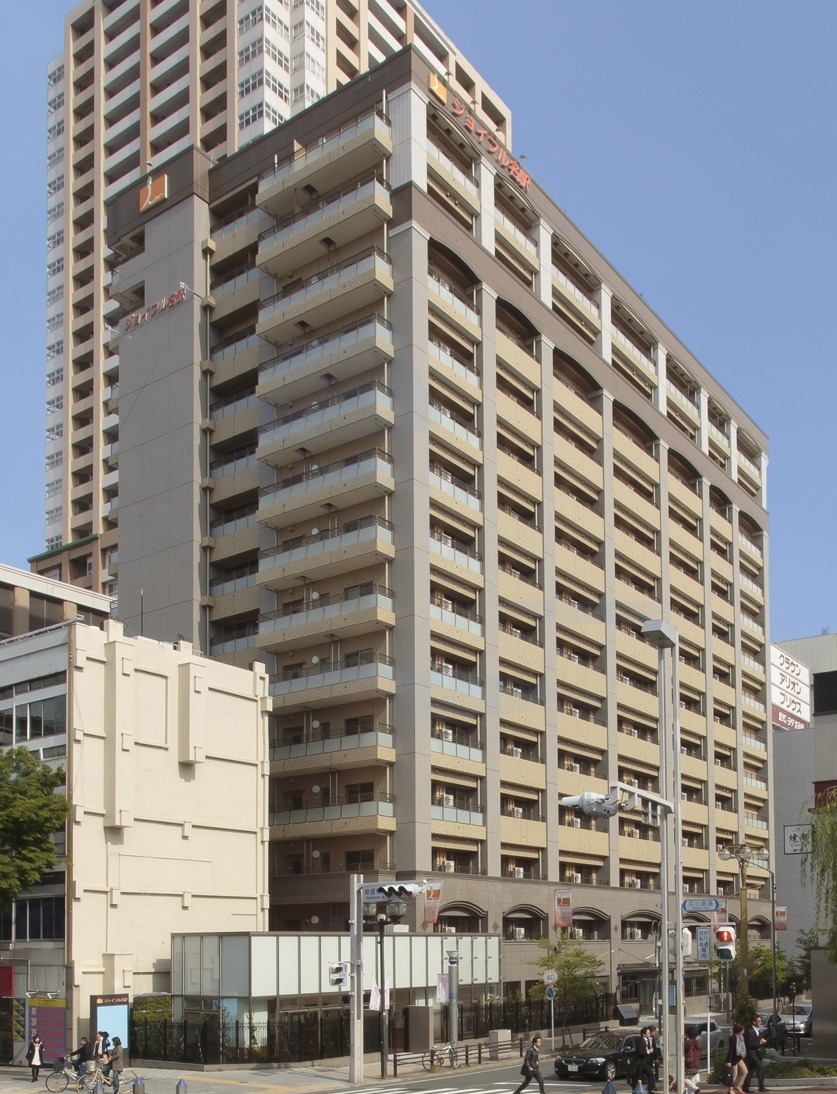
(790, 689)
(135, 319)
(481, 133)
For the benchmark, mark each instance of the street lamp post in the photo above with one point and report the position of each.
(665, 637)
(745, 855)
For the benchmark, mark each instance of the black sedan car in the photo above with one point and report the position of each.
(608, 1055)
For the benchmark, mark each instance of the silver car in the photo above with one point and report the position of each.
(718, 1037)
(800, 1020)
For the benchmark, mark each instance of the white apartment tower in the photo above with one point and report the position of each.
(138, 82)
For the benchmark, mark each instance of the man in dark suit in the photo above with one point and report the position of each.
(646, 1054)
(755, 1040)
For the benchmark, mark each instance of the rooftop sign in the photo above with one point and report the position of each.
(790, 691)
(137, 318)
(154, 191)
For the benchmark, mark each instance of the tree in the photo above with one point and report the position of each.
(819, 862)
(806, 941)
(30, 811)
(577, 971)
(761, 964)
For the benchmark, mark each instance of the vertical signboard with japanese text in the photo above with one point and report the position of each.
(790, 691)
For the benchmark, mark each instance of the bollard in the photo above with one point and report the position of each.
(608, 1088)
(395, 1065)
(98, 1088)
(479, 1053)
(180, 1087)
(640, 1089)
(138, 1086)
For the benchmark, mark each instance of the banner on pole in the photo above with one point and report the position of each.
(703, 936)
(432, 900)
(442, 987)
(563, 909)
(386, 994)
(375, 997)
(780, 922)
(721, 914)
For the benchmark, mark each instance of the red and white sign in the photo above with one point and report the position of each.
(790, 691)
(780, 920)
(432, 900)
(563, 909)
(137, 318)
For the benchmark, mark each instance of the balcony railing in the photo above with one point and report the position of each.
(682, 397)
(528, 693)
(457, 488)
(318, 866)
(458, 745)
(381, 805)
(222, 586)
(574, 290)
(307, 482)
(326, 410)
(754, 742)
(748, 780)
(457, 364)
(718, 432)
(329, 673)
(373, 120)
(229, 282)
(456, 814)
(748, 583)
(227, 407)
(754, 822)
(750, 622)
(230, 347)
(458, 426)
(748, 463)
(318, 348)
(748, 543)
(235, 461)
(451, 295)
(459, 680)
(522, 636)
(522, 238)
(314, 286)
(224, 527)
(381, 735)
(749, 701)
(455, 616)
(365, 530)
(235, 222)
(326, 607)
(633, 347)
(295, 223)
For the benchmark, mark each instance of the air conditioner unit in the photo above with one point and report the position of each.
(447, 734)
(635, 933)
(575, 822)
(575, 768)
(449, 930)
(516, 752)
(575, 879)
(517, 872)
(577, 932)
(519, 934)
(632, 832)
(635, 883)
(574, 712)
(633, 732)
(447, 801)
(517, 812)
(448, 866)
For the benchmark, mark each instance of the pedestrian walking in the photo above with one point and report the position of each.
(117, 1065)
(755, 1041)
(531, 1066)
(35, 1056)
(691, 1058)
(736, 1057)
(646, 1056)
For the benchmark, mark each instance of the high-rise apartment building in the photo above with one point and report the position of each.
(390, 424)
(138, 82)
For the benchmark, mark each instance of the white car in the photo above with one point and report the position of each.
(800, 1020)
(718, 1038)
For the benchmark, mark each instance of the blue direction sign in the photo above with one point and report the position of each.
(550, 992)
(702, 904)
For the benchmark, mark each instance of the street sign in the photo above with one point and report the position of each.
(704, 943)
(702, 904)
(549, 977)
(453, 959)
(550, 993)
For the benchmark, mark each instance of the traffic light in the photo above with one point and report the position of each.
(725, 942)
(338, 974)
(406, 890)
(685, 942)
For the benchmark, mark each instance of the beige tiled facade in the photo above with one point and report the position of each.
(443, 462)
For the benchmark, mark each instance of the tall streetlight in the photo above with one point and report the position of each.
(664, 636)
(749, 856)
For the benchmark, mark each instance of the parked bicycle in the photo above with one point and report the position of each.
(61, 1076)
(438, 1057)
(88, 1079)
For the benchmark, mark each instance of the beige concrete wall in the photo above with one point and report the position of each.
(167, 775)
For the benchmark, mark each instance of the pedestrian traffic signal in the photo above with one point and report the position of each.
(338, 974)
(406, 890)
(725, 943)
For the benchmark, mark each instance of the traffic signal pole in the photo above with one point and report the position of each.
(356, 958)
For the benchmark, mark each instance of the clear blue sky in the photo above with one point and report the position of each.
(693, 143)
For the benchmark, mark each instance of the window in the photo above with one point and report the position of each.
(55, 77)
(38, 917)
(55, 404)
(55, 322)
(55, 240)
(55, 432)
(54, 295)
(56, 459)
(55, 349)
(55, 103)
(54, 487)
(255, 112)
(249, 52)
(56, 186)
(55, 267)
(55, 130)
(52, 542)
(54, 158)
(43, 718)
(357, 860)
(360, 792)
(53, 516)
(55, 377)
(55, 213)
(277, 87)
(276, 54)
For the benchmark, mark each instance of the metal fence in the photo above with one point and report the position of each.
(295, 1036)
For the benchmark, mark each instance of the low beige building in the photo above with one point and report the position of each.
(166, 759)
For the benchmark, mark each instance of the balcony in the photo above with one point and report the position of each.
(234, 292)
(453, 306)
(352, 679)
(452, 423)
(356, 283)
(341, 353)
(378, 736)
(355, 479)
(369, 813)
(447, 742)
(521, 245)
(457, 814)
(323, 554)
(586, 309)
(455, 552)
(447, 612)
(350, 150)
(453, 487)
(329, 423)
(462, 369)
(367, 608)
(458, 182)
(349, 214)
(461, 681)
(236, 232)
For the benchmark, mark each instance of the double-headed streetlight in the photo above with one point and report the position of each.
(750, 856)
(664, 636)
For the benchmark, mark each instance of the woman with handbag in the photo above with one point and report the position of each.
(736, 1069)
(35, 1056)
(531, 1066)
